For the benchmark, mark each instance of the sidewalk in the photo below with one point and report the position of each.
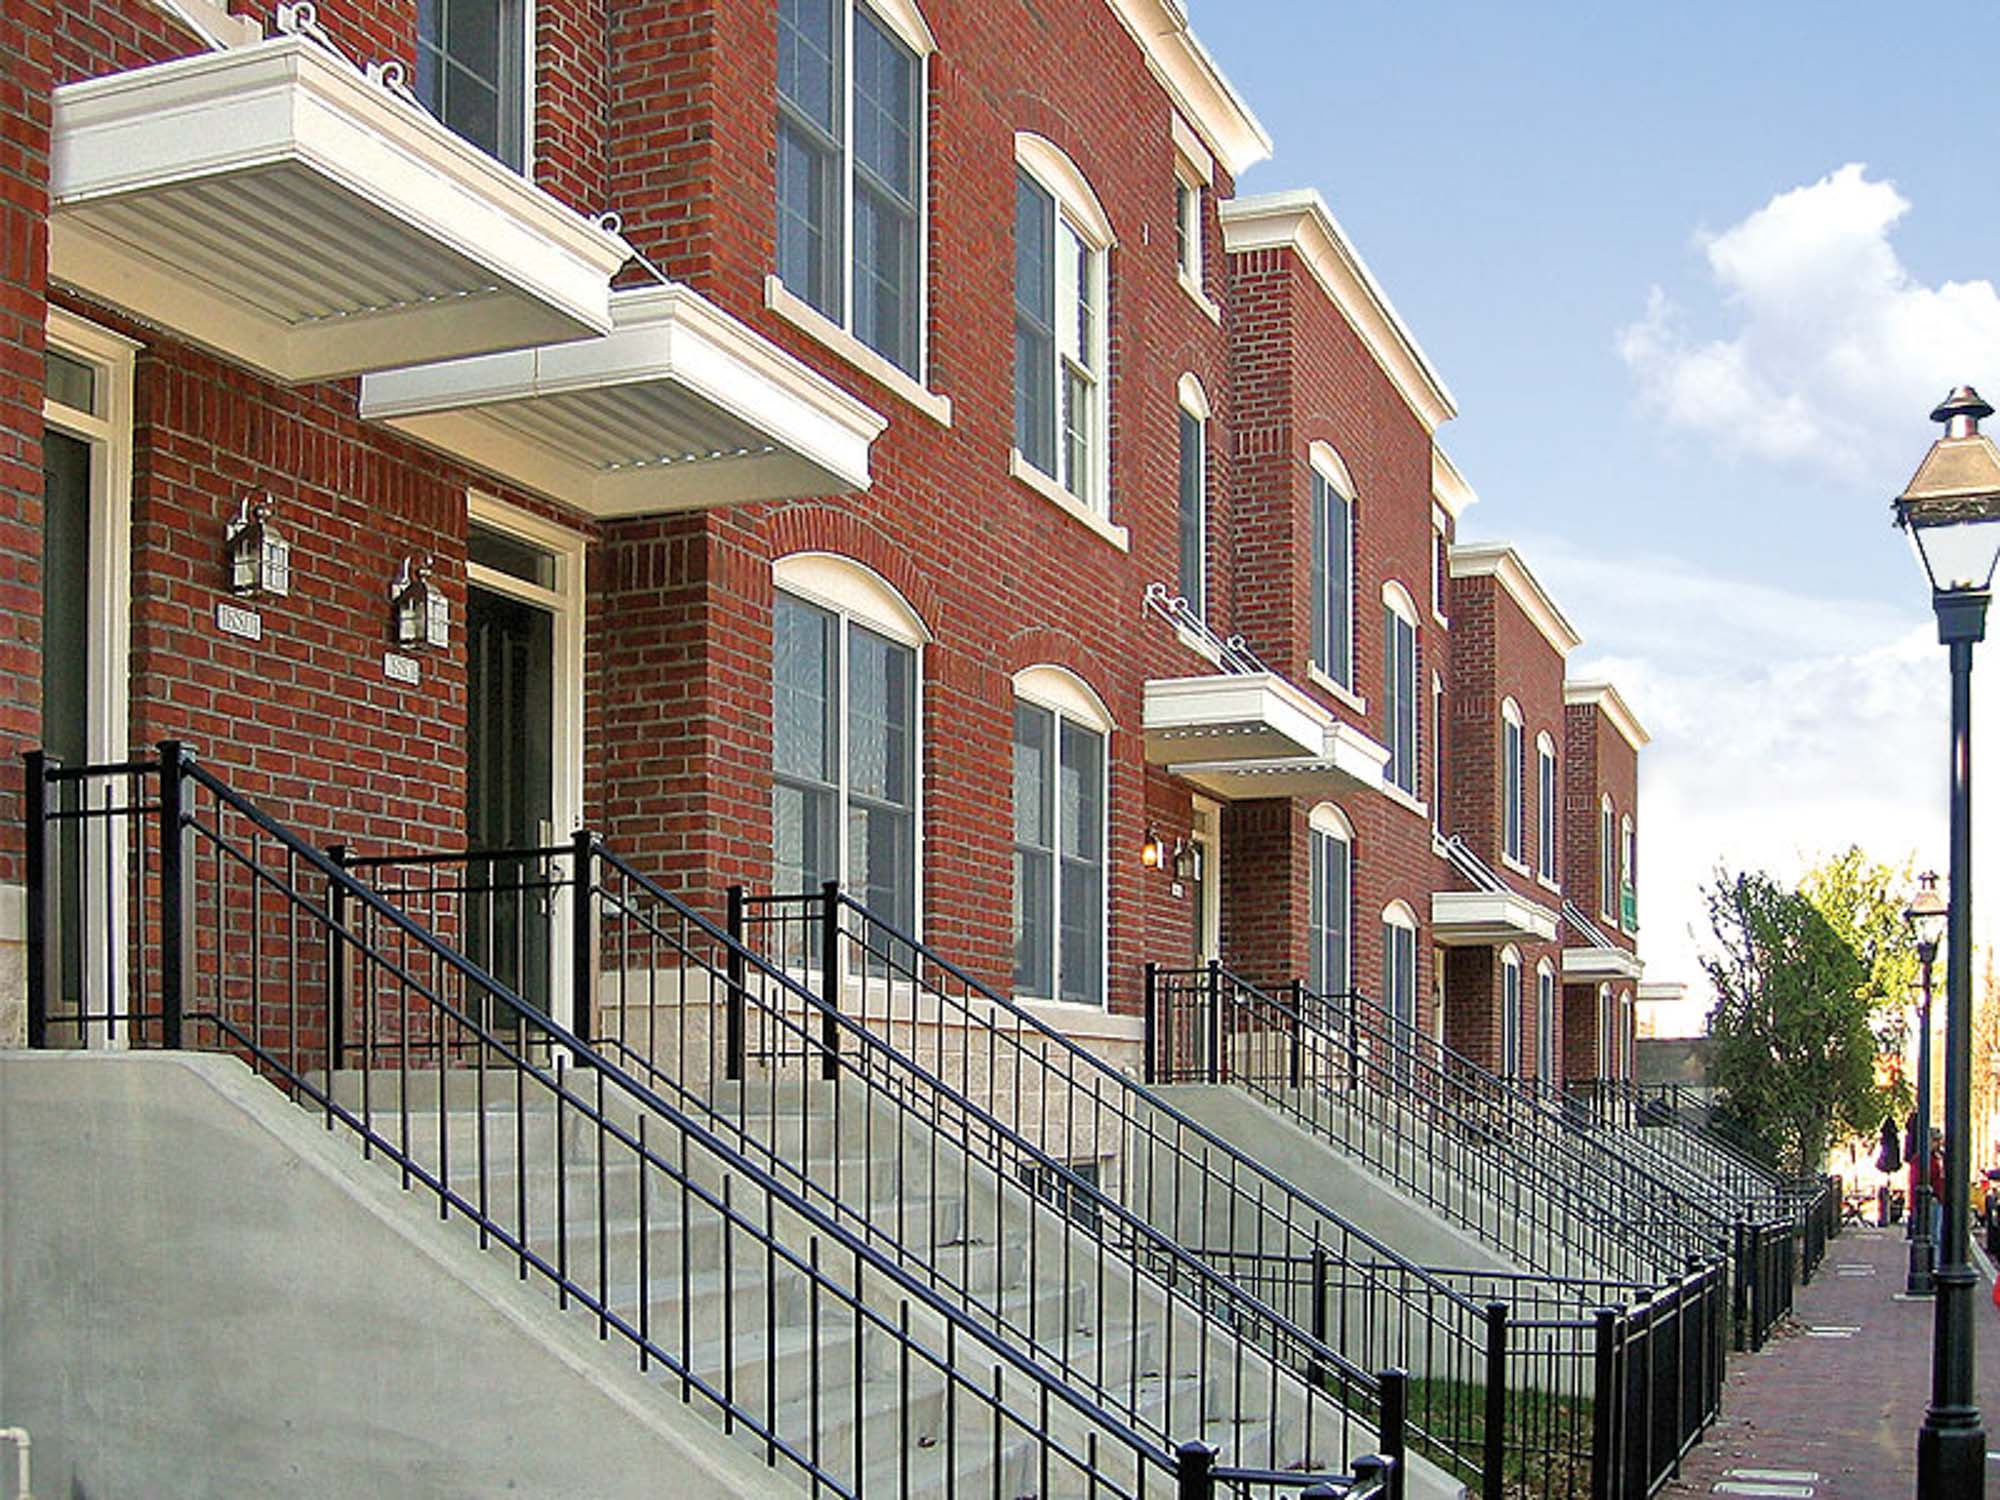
(1830, 1409)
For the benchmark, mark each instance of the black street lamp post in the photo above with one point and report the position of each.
(1927, 916)
(1951, 510)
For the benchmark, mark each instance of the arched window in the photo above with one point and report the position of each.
(1607, 860)
(846, 699)
(1399, 687)
(1399, 963)
(1607, 1033)
(851, 168)
(1194, 415)
(1510, 1012)
(1545, 1023)
(1330, 903)
(1512, 772)
(1061, 339)
(1332, 644)
(1061, 733)
(1628, 891)
(1546, 804)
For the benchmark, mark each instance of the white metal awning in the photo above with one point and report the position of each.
(1249, 716)
(1480, 919)
(679, 407)
(275, 204)
(1607, 962)
(1347, 762)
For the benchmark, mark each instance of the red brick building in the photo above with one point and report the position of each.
(819, 514)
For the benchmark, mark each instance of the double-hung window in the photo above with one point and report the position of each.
(1545, 1024)
(472, 72)
(1607, 861)
(1545, 808)
(1330, 903)
(1607, 1033)
(1194, 496)
(1512, 772)
(1399, 689)
(1061, 241)
(1510, 1014)
(1628, 891)
(844, 758)
(851, 172)
(1332, 644)
(1059, 826)
(1399, 983)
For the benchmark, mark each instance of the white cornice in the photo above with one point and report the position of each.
(1499, 561)
(1199, 91)
(1448, 486)
(1608, 701)
(1300, 221)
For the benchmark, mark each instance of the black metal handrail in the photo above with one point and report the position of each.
(1460, 1139)
(222, 932)
(1737, 1185)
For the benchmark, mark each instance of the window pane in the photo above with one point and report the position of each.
(69, 382)
(808, 60)
(885, 277)
(1082, 793)
(809, 217)
(1034, 324)
(1328, 914)
(881, 862)
(881, 712)
(1034, 922)
(804, 735)
(1340, 587)
(510, 555)
(1082, 932)
(1034, 730)
(1079, 399)
(470, 71)
(1321, 584)
(886, 111)
(1082, 873)
(1034, 860)
(804, 852)
(1193, 513)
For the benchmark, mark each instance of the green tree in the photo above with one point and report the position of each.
(1792, 1051)
(1864, 900)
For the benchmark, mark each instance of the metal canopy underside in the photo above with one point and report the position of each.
(679, 407)
(271, 203)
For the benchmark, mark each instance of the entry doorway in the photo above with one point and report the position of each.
(86, 623)
(1204, 885)
(523, 748)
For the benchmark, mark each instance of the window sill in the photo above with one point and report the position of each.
(1201, 299)
(1549, 885)
(1332, 689)
(1404, 799)
(1518, 866)
(1443, 623)
(1064, 501)
(803, 316)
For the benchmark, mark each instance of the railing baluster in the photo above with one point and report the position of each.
(41, 906)
(173, 894)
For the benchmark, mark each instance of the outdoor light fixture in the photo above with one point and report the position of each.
(422, 614)
(1951, 509)
(260, 559)
(1926, 916)
(1152, 853)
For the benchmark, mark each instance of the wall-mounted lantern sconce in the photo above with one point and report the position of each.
(422, 613)
(260, 559)
(1186, 866)
(1152, 853)
(1177, 859)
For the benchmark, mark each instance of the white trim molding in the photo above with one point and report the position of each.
(1479, 919)
(1050, 165)
(1500, 561)
(852, 589)
(1301, 222)
(1594, 963)
(1207, 100)
(815, 324)
(1060, 689)
(1611, 705)
(1448, 487)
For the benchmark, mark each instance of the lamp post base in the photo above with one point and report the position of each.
(1951, 1461)
(1921, 1280)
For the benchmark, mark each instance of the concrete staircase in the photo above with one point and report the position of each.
(840, 1364)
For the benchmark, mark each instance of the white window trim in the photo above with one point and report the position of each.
(1628, 856)
(1607, 890)
(1438, 750)
(1548, 812)
(1194, 403)
(1060, 177)
(1547, 1018)
(857, 594)
(108, 432)
(1398, 914)
(1510, 717)
(1321, 459)
(906, 23)
(1194, 169)
(1440, 530)
(1510, 1013)
(1068, 696)
(1399, 601)
(1326, 820)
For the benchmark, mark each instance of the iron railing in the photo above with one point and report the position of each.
(1697, 1150)
(1606, 1110)
(1467, 1143)
(194, 919)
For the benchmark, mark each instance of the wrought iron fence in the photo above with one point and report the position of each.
(195, 920)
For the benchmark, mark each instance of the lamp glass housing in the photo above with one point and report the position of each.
(1959, 555)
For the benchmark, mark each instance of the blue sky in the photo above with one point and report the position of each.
(1696, 275)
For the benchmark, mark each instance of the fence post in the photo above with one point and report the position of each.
(1194, 1469)
(583, 937)
(41, 902)
(336, 966)
(1760, 1294)
(1151, 1042)
(1396, 1427)
(1298, 1035)
(1495, 1457)
(1739, 1293)
(733, 1044)
(1604, 1444)
(173, 893)
(1216, 1071)
(829, 980)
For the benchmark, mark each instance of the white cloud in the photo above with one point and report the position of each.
(1835, 349)
(1785, 727)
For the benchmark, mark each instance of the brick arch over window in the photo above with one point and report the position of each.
(826, 528)
(1038, 645)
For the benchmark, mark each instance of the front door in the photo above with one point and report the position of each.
(509, 794)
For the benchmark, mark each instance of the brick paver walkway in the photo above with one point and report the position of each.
(1843, 1408)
